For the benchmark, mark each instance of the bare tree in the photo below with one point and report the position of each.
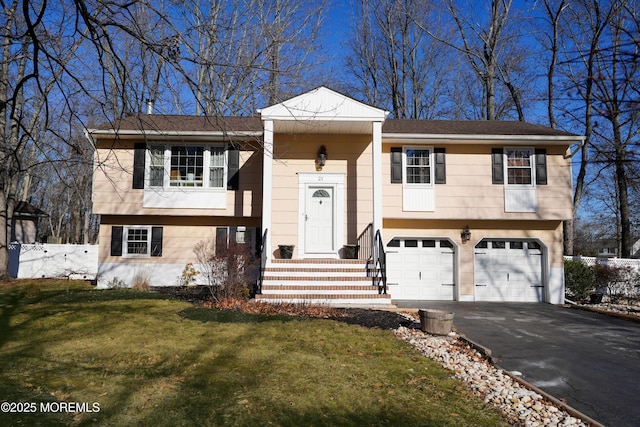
(35, 60)
(393, 63)
(603, 80)
(483, 47)
(248, 54)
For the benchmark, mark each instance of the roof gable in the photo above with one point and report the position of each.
(322, 104)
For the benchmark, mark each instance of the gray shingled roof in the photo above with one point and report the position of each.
(175, 123)
(470, 127)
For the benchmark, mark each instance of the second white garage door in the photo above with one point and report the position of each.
(420, 269)
(508, 271)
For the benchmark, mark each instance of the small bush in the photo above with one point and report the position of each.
(141, 282)
(579, 279)
(619, 282)
(228, 269)
(188, 277)
(116, 283)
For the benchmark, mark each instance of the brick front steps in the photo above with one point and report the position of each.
(320, 281)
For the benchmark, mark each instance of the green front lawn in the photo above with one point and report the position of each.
(148, 360)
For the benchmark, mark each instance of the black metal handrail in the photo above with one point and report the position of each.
(365, 243)
(380, 263)
(263, 260)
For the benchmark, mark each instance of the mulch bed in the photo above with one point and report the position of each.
(369, 318)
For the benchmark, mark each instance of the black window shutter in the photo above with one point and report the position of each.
(541, 166)
(441, 165)
(156, 241)
(233, 167)
(222, 244)
(497, 165)
(138, 164)
(396, 165)
(116, 240)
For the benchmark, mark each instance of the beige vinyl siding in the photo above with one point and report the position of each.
(347, 154)
(470, 194)
(179, 236)
(113, 193)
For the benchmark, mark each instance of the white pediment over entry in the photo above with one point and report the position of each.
(323, 109)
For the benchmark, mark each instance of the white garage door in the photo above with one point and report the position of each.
(420, 269)
(508, 271)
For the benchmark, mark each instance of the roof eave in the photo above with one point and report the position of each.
(482, 139)
(158, 134)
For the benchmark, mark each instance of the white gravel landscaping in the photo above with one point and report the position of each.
(518, 404)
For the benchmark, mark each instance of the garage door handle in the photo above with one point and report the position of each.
(448, 284)
(481, 285)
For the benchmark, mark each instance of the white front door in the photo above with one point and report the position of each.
(319, 220)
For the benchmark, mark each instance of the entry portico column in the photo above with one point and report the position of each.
(377, 176)
(267, 184)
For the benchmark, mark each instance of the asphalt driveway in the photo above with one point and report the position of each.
(589, 359)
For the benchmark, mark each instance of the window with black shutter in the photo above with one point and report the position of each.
(116, 240)
(541, 166)
(497, 165)
(396, 165)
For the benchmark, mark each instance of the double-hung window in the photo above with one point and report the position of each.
(216, 167)
(137, 241)
(519, 166)
(417, 165)
(156, 166)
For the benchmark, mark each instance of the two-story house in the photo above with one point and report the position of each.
(447, 210)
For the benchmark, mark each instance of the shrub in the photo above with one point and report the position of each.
(618, 281)
(188, 277)
(141, 282)
(579, 279)
(116, 283)
(227, 269)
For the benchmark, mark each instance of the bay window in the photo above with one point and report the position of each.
(187, 166)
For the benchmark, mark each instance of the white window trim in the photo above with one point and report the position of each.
(532, 166)
(418, 197)
(125, 241)
(206, 168)
(431, 167)
(520, 198)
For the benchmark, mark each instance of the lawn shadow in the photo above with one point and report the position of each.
(206, 315)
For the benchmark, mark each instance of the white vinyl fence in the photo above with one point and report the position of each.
(28, 261)
(612, 262)
(624, 284)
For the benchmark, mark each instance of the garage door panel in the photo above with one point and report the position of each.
(508, 271)
(420, 269)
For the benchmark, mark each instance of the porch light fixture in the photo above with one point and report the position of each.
(466, 234)
(322, 156)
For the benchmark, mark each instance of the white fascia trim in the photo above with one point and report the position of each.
(217, 135)
(320, 118)
(462, 139)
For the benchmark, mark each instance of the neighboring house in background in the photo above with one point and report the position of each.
(24, 224)
(463, 210)
(608, 248)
